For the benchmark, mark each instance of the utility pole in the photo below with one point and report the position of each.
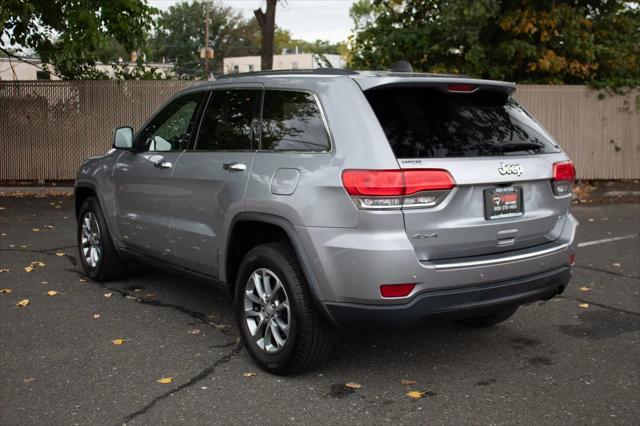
(206, 41)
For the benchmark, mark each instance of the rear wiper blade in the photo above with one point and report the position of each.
(517, 146)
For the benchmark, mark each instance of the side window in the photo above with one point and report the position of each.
(292, 121)
(172, 128)
(227, 122)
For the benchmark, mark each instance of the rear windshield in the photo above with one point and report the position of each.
(430, 123)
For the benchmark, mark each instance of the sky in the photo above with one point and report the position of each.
(305, 19)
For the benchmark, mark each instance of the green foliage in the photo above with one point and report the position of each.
(180, 35)
(72, 34)
(528, 41)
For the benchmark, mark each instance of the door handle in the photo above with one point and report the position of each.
(162, 163)
(234, 167)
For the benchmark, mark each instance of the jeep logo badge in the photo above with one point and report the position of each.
(510, 169)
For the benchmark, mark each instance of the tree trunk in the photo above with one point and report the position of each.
(267, 22)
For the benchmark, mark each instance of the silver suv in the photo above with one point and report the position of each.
(329, 198)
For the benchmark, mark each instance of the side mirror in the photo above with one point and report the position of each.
(123, 138)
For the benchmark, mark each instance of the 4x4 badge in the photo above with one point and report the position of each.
(510, 169)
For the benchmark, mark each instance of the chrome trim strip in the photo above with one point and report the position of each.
(513, 258)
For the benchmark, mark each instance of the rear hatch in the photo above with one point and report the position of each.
(500, 159)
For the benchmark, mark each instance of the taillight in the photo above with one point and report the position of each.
(376, 189)
(396, 290)
(564, 173)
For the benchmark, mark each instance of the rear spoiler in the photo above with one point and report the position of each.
(446, 83)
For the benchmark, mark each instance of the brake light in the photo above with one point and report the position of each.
(373, 182)
(468, 88)
(564, 170)
(395, 182)
(397, 188)
(396, 290)
(564, 173)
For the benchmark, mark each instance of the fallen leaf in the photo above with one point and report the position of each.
(96, 316)
(352, 385)
(117, 342)
(108, 295)
(52, 293)
(4, 270)
(616, 264)
(29, 380)
(82, 280)
(585, 289)
(5, 290)
(249, 374)
(38, 264)
(23, 303)
(48, 227)
(408, 382)
(583, 305)
(194, 331)
(60, 254)
(415, 394)
(165, 380)
(24, 246)
(28, 268)
(35, 229)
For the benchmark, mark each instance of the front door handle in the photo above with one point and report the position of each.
(234, 167)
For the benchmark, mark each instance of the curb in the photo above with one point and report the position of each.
(35, 190)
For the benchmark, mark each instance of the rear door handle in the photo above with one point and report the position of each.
(234, 167)
(161, 163)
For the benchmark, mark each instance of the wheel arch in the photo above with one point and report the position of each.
(84, 190)
(231, 262)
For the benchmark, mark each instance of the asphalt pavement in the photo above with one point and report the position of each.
(572, 360)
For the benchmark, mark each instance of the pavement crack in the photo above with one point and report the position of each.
(195, 379)
(619, 274)
(41, 251)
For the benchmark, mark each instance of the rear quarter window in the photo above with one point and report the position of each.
(432, 123)
(292, 121)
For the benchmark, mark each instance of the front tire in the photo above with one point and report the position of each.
(98, 255)
(281, 327)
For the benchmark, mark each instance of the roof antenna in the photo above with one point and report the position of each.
(401, 66)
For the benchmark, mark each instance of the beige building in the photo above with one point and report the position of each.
(32, 69)
(289, 61)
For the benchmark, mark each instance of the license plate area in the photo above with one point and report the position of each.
(503, 202)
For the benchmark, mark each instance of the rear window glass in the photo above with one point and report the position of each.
(429, 123)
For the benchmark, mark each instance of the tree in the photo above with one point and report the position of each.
(70, 34)
(573, 42)
(267, 22)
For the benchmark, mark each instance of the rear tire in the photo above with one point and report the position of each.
(279, 323)
(98, 255)
(493, 318)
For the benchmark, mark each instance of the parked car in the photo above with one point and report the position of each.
(332, 199)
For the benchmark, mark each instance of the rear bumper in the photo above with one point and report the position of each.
(465, 301)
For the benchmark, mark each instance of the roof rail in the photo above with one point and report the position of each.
(316, 71)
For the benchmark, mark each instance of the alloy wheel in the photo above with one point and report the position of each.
(266, 310)
(91, 240)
